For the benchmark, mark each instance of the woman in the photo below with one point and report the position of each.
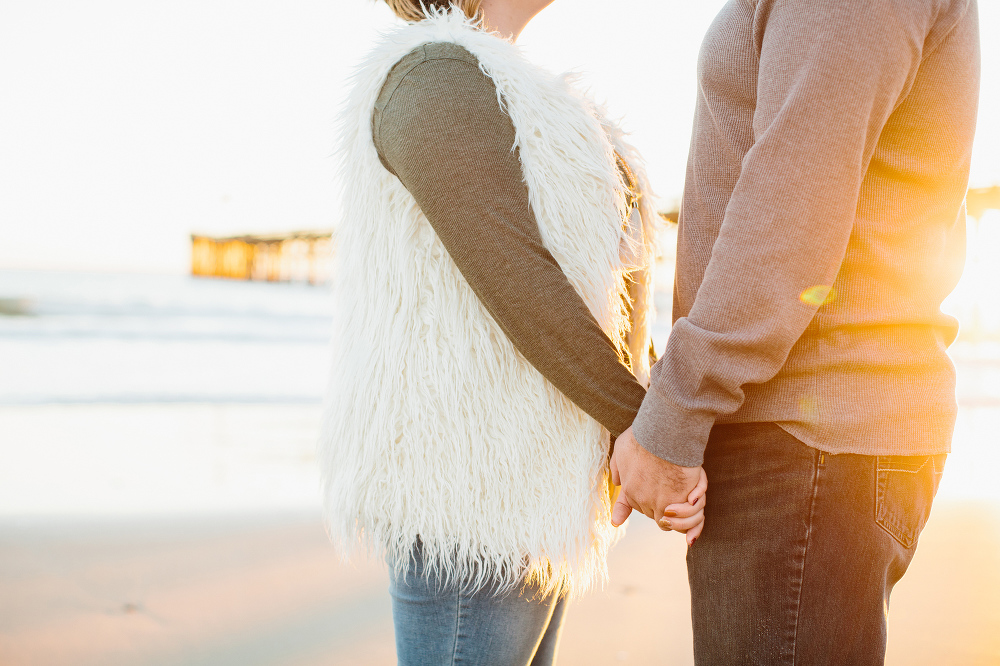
(493, 293)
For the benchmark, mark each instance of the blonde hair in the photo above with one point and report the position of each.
(413, 10)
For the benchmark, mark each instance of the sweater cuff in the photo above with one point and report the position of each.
(671, 433)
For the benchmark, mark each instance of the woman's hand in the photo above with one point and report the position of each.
(688, 517)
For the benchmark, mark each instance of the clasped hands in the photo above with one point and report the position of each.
(671, 495)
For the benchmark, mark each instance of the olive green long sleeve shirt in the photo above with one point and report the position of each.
(438, 126)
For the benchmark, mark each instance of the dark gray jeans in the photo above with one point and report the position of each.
(801, 549)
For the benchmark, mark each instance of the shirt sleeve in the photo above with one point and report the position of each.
(444, 135)
(830, 75)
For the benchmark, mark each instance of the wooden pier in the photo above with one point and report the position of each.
(307, 256)
(303, 256)
(982, 199)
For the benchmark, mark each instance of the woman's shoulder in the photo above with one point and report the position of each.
(433, 51)
(433, 87)
(431, 68)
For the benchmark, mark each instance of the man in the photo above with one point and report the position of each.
(822, 225)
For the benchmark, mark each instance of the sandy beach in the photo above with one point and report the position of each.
(269, 590)
(159, 498)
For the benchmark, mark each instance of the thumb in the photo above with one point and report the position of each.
(620, 511)
(615, 478)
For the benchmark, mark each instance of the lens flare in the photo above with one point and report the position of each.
(819, 294)
(809, 408)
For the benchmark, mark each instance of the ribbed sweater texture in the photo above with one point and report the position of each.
(822, 225)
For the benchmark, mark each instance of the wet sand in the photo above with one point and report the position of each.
(269, 590)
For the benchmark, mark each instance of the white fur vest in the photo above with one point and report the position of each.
(435, 425)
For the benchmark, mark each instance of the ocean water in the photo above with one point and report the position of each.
(150, 394)
(125, 394)
(118, 339)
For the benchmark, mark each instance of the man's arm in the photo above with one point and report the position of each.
(830, 75)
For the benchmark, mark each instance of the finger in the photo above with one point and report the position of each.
(620, 511)
(683, 509)
(615, 478)
(699, 489)
(685, 524)
(667, 521)
(694, 533)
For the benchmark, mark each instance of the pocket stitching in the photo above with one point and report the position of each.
(904, 534)
(889, 526)
(888, 466)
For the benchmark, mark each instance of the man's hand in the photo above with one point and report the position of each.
(656, 487)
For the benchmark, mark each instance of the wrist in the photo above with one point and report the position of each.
(672, 434)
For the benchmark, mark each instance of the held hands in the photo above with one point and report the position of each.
(672, 495)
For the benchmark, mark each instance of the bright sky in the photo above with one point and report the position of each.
(126, 125)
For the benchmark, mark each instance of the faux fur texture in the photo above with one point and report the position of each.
(435, 425)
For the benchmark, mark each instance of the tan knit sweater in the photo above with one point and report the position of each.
(821, 227)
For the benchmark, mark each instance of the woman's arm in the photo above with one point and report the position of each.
(440, 129)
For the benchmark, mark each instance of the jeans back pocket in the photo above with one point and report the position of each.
(905, 488)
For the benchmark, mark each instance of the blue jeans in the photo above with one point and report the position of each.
(437, 625)
(801, 548)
